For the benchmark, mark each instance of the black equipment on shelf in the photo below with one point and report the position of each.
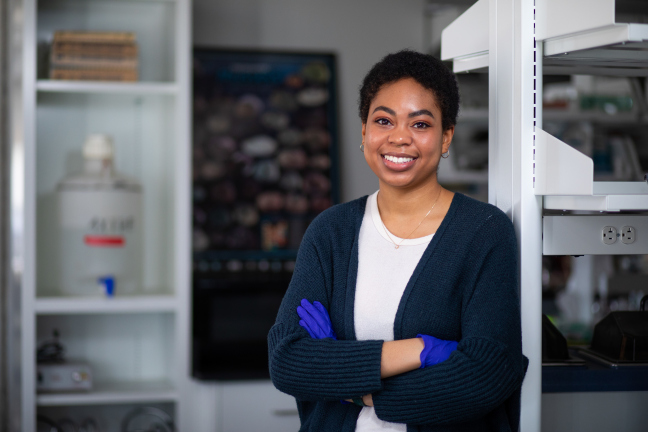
(622, 336)
(554, 344)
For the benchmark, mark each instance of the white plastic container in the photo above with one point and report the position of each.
(100, 227)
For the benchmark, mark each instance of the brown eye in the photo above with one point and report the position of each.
(421, 125)
(383, 122)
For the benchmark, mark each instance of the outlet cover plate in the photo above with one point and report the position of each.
(582, 234)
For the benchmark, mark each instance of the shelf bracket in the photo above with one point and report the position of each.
(560, 169)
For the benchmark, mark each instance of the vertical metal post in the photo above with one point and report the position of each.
(23, 210)
(182, 221)
(513, 108)
(4, 164)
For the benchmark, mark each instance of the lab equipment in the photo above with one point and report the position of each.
(99, 226)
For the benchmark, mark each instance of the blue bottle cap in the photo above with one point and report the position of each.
(109, 285)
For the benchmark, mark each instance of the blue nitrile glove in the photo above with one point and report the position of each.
(435, 350)
(315, 320)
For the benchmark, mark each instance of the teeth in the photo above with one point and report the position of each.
(399, 160)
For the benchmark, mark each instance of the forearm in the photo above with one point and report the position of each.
(400, 356)
(475, 380)
(325, 369)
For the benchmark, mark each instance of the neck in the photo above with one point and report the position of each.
(395, 202)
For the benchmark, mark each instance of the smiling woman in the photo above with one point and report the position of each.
(415, 316)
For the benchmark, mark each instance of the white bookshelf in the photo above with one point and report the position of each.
(136, 345)
(113, 394)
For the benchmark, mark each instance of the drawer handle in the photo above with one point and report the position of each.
(285, 412)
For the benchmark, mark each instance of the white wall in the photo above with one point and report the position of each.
(360, 32)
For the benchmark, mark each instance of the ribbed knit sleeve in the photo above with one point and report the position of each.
(488, 366)
(325, 369)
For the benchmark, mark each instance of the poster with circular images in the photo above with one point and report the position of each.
(264, 151)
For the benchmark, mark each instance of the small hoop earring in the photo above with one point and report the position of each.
(445, 155)
(362, 147)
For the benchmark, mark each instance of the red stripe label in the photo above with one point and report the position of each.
(104, 241)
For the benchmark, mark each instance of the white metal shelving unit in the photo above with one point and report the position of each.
(137, 346)
(529, 169)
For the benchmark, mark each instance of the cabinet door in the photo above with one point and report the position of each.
(257, 406)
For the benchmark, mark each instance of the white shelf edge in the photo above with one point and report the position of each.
(597, 37)
(455, 44)
(473, 63)
(81, 305)
(134, 88)
(132, 392)
(565, 177)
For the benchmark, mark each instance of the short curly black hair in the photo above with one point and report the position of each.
(427, 70)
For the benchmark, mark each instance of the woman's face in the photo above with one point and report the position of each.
(403, 136)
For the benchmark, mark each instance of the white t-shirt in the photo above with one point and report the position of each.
(383, 273)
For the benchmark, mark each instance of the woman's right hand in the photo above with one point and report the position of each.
(315, 319)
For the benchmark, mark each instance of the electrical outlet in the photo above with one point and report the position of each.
(609, 235)
(628, 234)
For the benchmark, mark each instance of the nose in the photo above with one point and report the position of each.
(400, 136)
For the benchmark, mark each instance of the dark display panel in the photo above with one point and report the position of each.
(264, 166)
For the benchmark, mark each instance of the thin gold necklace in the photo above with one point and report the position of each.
(397, 245)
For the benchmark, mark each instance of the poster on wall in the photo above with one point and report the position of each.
(264, 154)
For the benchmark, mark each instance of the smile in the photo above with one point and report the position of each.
(398, 160)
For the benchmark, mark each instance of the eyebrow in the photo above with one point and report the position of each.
(420, 112)
(412, 114)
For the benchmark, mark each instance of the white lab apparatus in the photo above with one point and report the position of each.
(100, 227)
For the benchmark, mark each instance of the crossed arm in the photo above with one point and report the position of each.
(397, 357)
(484, 371)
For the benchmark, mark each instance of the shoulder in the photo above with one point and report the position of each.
(481, 220)
(473, 212)
(338, 221)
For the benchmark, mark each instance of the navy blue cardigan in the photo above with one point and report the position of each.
(465, 288)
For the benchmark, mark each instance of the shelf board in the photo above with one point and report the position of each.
(617, 49)
(113, 393)
(102, 305)
(593, 376)
(467, 53)
(102, 87)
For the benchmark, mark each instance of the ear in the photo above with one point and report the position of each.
(447, 139)
(364, 130)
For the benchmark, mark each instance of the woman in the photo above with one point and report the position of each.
(404, 302)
